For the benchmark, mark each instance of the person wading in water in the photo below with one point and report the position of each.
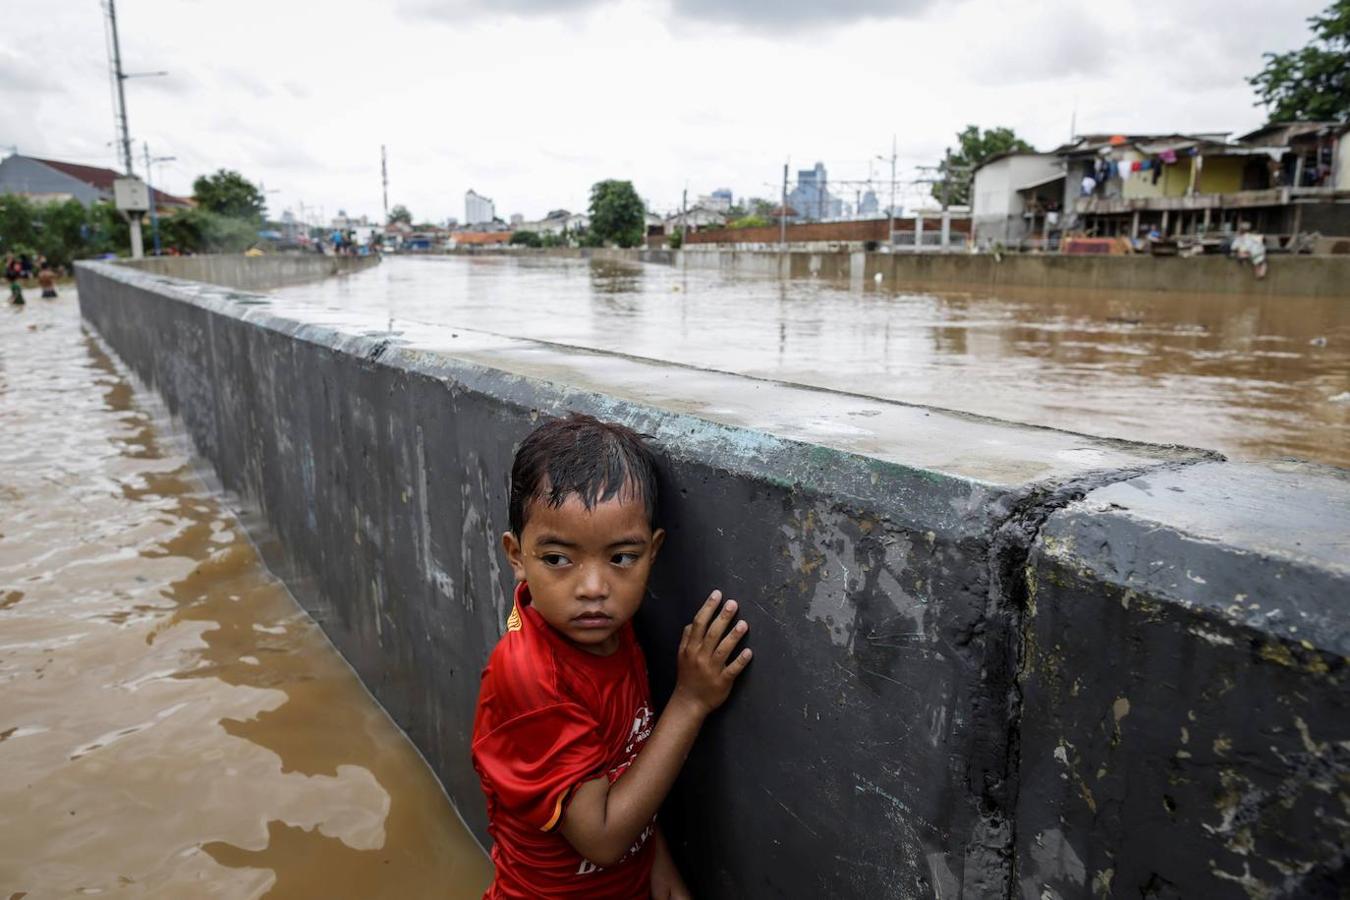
(13, 272)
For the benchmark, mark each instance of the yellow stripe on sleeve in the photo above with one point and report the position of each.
(557, 813)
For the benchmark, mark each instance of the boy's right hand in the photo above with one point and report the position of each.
(704, 676)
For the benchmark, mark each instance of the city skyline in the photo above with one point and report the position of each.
(306, 117)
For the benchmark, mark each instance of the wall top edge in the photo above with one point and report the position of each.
(1263, 547)
(717, 414)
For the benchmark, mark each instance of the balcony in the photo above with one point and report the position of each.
(1241, 200)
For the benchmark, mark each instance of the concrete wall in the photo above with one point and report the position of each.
(1185, 726)
(1222, 174)
(1323, 276)
(911, 575)
(997, 207)
(1306, 276)
(252, 273)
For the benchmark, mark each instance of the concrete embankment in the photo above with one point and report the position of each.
(253, 273)
(986, 654)
(1301, 276)
(1319, 276)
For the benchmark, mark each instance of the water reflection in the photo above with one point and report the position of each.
(171, 723)
(1254, 377)
(609, 277)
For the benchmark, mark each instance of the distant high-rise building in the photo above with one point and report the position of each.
(719, 200)
(811, 197)
(869, 205)
(516, 219)
(478, 209)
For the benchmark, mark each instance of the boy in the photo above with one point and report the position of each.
(46, 279)
(563, 741)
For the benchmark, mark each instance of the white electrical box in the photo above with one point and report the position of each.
(131, 195)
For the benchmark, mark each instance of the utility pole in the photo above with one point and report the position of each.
(150, 189)
(384, 177)
(947, 176)
(782, 214)
(890, 212)
(124, 131)
(120, 76)
(946, 198)
(684, 216)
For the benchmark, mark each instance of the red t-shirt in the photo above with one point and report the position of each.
(551, 717)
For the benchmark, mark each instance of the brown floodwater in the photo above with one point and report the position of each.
(1253, 377)
(172, 724)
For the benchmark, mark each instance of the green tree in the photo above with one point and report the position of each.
(400, 214)
(752, 221)
(106, 231)
(228, 193)
(1312, 84)
(526, 239)
(617, 215)
(202, 231)
(18, 223)
(62, 232)
(763, 208)
(952, 186)
(65, 234)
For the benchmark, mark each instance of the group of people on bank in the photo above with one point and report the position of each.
(22, 268)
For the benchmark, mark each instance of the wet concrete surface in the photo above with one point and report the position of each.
(171, 723)
(1252, 377)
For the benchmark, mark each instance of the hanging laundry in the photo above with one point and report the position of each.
(1089, 185)
(1145, 164)
(1137, 166)
(1169, 156)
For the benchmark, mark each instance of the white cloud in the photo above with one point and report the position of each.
(531, 101)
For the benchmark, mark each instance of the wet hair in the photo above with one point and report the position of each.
(581, 455)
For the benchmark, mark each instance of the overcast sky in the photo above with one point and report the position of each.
(532, 101)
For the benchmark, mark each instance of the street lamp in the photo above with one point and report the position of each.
(154, 207)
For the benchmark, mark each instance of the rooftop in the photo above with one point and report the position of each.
(103, 179)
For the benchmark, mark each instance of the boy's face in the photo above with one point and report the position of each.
(587, 569)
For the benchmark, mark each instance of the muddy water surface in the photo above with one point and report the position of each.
(1253, 377)
(171, 723)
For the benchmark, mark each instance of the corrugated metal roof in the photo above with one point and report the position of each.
(103, 179)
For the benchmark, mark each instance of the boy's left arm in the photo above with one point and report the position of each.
(666, 881)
